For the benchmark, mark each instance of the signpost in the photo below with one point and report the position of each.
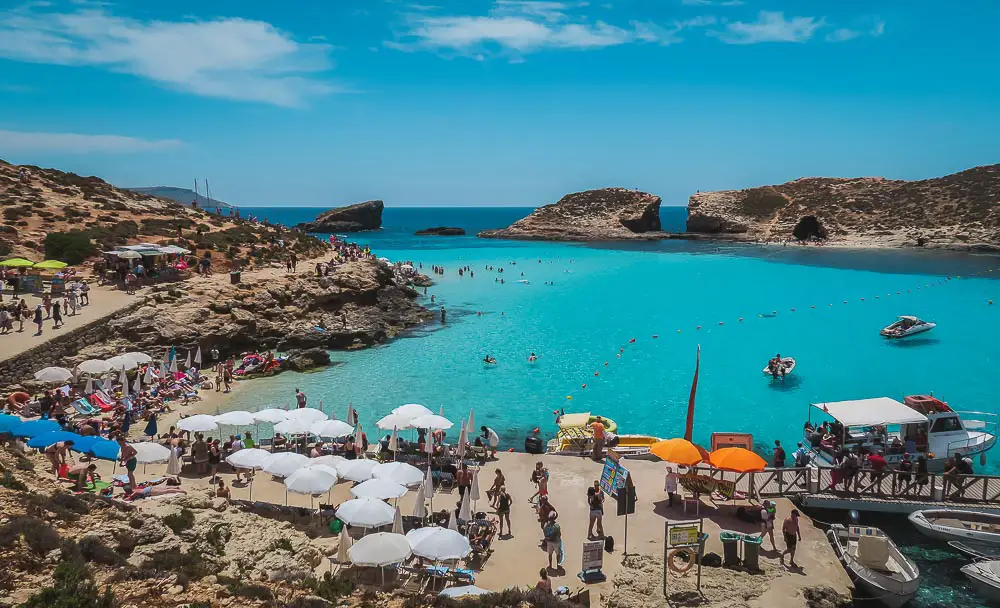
(593, 561)
(616, 482)
(683, 536)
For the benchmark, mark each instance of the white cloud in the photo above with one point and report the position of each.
(75, 143)
(712, 2)
(842, 34)
(869, 26)
(770, 26)
(227, 58)
(518, 27)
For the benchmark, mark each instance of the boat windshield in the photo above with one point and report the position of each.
(947, 424)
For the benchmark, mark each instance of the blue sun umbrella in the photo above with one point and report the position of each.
(84, 443)
(35, 427)
(46, 439)
(7, 422)
(105, 449)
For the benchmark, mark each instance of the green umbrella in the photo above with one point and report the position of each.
(17, 263)
(51, 265)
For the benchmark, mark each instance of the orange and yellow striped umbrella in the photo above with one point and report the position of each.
(679, 451)
(739, 460)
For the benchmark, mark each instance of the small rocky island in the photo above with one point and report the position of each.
(441, 231)
(959, 211)
(353, 218)
(595, 215)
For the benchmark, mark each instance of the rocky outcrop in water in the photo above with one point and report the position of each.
(441, 231)
(594, 215)
(353, 218)
(959, 211)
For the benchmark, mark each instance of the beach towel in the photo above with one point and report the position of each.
(82, 406)
(103, 401)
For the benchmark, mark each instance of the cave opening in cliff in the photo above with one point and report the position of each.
(808, 228)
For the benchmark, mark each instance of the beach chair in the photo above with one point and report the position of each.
(84, 408)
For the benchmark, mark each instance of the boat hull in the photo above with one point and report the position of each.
(789, 364)
(982, 585)
(887, 592)
(924, 522)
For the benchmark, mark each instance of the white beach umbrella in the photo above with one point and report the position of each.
(419, 508)
(452, 521)
(108, 383)
(331, 428)
(343, 546)
(271, 415)
(187, 363)
(397, 421)
(137, 385)
(464, 591)
(350, 414)
(149, 452)
(163, 370)
(428, 485)
(197, 356)
(397, 522)
(328, 460)
(123, 380)
(381, 489)
(429, 446)
(463, 441)
(438, 544)
(308, 414)
(471, 426)
(433, 422)
(53, 374)
(412, 410)
(399, 472)
(149, 378)
(365, 513)
(284, 464)
(381, 549)
(293, 427)
(235, 418)
(173, 463)
(441, 411)
(465, 512)
(394, 441)
(166, 355)
(356, 470)
(474, 490)
(319, 466)
(249, 458)
(312, 480)
(121, 362)
(93, 366)
(198, 423)
(173, 365)
(137, 358)
(90, 385)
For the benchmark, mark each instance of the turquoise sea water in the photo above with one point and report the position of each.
(604, 295)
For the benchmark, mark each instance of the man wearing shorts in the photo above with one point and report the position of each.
(790, 530)
(597, 426)
(80, 472)
(127, 458)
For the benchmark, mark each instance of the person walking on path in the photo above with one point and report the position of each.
(38, 319)
(47, 305)
(790, 530)
(463, 478)
(214, 458)
(504, 502)
(767, 515)
(553, 540)
(595, 502)
(670, 485)
(498, 482)
(199, 452)
(57, 321)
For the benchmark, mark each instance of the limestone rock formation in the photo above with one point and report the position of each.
(441, 231)
(959, 211)
(594, 215)
(353, 218)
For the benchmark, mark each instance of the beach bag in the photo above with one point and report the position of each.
(63, 471)
(609, 544)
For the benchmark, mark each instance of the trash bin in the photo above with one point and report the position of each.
(234, 277)
(751, 551)
(730, 548)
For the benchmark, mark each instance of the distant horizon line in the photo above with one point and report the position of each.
(417, 206)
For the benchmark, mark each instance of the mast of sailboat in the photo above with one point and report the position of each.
(194, 203)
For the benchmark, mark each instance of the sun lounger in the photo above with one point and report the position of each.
(83, 407)
(103, 401)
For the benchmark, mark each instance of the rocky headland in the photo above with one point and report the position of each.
(595, 215)
(441, 231)
(353, 218)
(959, 211)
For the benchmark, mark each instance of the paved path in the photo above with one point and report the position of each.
(103, 300)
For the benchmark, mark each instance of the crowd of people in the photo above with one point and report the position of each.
(16, 312)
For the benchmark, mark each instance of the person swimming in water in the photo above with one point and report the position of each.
(489, 359)
(532, 357)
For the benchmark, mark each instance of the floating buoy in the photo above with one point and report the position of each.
(597, 373)
(570, 397)
(632, 341)
(876, 297)
(584, 386)
(537, 429)
(605, 364)
(990, 302)
(774, 312)
(760, 316)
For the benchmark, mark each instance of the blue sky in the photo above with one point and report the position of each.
(504, 102)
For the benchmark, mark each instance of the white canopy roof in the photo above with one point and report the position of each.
(870, 412)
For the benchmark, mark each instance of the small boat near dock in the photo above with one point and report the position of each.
(953, 524)
(875, 564)
(576, 437)
(985, 578)
(975, 549)
(906, 326)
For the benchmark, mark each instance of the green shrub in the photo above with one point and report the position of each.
(93, 550)
(178, 522)
(190, 565)
(240, 588)
(71, 247)
(331, 587)
(72, 587)
(282, 543)
(38, 535)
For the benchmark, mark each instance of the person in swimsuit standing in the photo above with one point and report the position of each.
(127, 457)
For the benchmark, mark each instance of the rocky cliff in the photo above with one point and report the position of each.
(958, 211)
(441, 231)
(594, 215)
(353, 218)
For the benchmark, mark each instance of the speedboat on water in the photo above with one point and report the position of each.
(955, 524)
(875, 564)
(783, 367)
(985, 578)
(921, 426)
(907, 326)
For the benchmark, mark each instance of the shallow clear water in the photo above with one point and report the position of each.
(603, 296)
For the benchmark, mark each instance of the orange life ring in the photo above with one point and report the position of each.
(686, 565)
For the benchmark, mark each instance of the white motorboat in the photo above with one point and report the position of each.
(954, 524)
(907, 326)
(875, 564)
(786, 367)
(985, 578)
(922, 426)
